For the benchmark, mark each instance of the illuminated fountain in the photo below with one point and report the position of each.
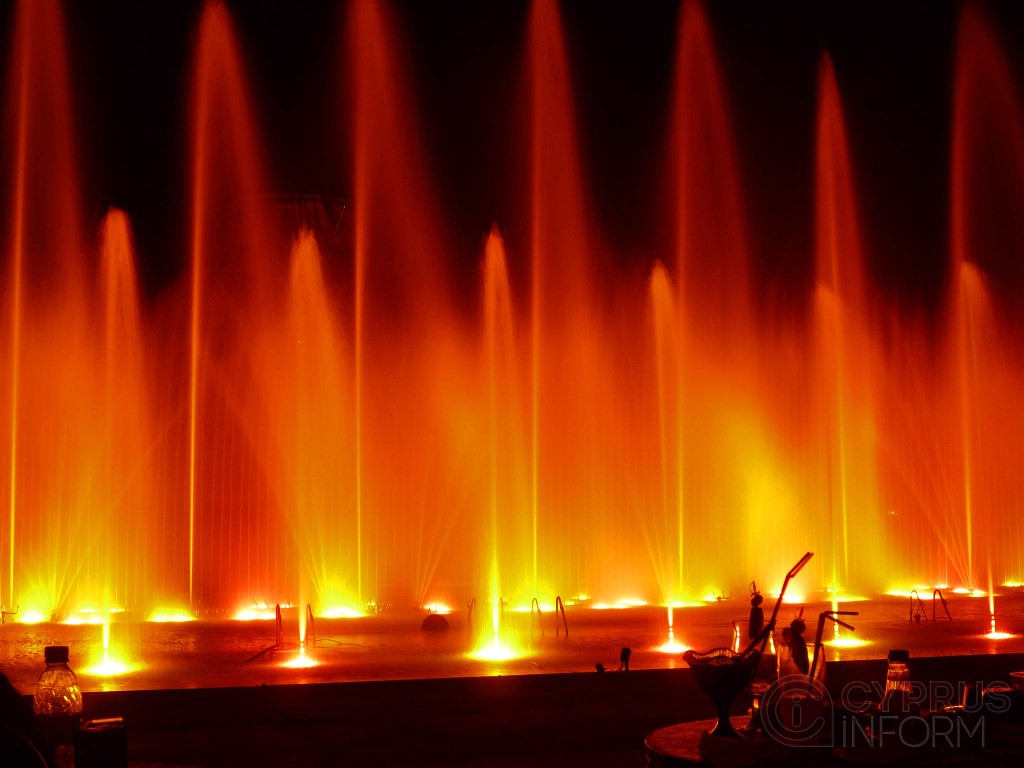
(352, 428)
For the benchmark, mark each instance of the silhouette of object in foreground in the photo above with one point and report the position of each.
(756, 613)
(22, 742)
(798, 646)
(722, 673)
(624, 660)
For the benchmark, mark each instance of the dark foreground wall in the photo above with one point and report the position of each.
(531, 720)
(582, 719)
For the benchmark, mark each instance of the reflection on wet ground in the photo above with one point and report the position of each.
(392, 646)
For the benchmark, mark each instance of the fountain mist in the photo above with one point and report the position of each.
(347, 427)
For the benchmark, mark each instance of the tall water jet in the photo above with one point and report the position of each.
(712, 259)
(342, 425)
(569, 380)
(845, 369)
(305, 390)
(232, 271)
(48, 337)
(405, 330)
(986, 235)
(507, 429)
(723, 457)
(665, 540)
(124, 539)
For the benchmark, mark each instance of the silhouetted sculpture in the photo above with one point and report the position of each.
(756, 614)
(624, 660)
(798, 646)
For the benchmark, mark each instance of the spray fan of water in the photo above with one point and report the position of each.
(318, 411)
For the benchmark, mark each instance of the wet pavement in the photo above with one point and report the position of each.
(212, 653)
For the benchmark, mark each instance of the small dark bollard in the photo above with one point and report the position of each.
(101, 743)
(434, 622)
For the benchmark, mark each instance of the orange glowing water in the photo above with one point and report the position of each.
(417, 479)
(570, 383)
(987, 160)
(343, 429)
(847, 369)
(225, 496)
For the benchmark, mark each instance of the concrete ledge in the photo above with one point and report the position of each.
(584, 719)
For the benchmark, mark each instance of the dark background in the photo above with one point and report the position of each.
(131, 68)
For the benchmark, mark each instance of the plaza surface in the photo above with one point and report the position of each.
(384, 692)
(211, 653)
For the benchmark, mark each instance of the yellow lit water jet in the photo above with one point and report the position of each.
(341, 612)
(847, 642)
(170, 615)
(302, 660)
(569, 453)
(437, 608)
(255, 613)
(672, 645)
(496, 650)
(83, 617)
(994, 634)
(618, 606)
(109, 664)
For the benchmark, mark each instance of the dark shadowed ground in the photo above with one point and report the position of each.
(575, 719)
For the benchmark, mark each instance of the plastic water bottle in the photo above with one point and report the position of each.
(58, 704)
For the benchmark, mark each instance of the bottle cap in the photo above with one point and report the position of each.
(56, 654)
(901, 657)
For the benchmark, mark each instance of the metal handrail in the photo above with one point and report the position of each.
(310, 627)
(822, 617)
(560, 606)
(916, 605)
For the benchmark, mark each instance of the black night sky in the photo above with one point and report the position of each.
(130, 65)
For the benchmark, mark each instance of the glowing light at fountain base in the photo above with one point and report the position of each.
(437, 608)
(110, 666)
(354, 376)
(78, 618)
(994, 634)
(672, 645)
(170, 616)
(301, 661)
(496, 650)
(620, 605)
(847, 642)
(256, 613)
(341, 612)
